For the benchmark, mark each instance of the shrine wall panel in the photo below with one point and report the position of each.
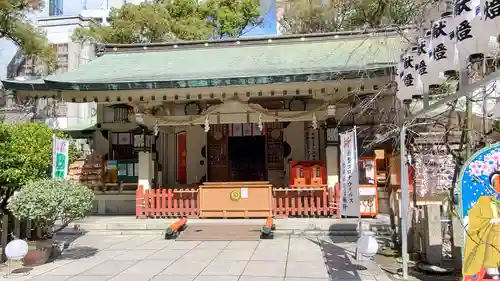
(294, 136)
(196, 138)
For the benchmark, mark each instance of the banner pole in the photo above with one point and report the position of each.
(356, 166)
(54, 156)
(404, 201)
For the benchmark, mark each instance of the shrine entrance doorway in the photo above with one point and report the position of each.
(247, 158)
(262, 149)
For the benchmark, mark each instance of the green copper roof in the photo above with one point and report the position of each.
(233, 63)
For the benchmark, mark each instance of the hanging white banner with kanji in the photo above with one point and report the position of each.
(60, 158)
(349, 178)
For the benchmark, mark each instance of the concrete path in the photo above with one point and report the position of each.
(141, 258)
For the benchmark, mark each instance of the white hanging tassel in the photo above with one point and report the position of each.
(314, 121)
(260, 124)
(207, 125)
(155, 129)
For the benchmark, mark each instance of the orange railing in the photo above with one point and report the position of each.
(287, 202)
(321, 202)
(171, 202)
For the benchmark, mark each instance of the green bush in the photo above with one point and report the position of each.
(47, 202)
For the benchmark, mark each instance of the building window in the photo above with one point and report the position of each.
(55, 7)
(123, 146)
(117, 113)
(62, 57)
(128, 169)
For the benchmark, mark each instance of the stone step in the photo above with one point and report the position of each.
(296, 226)
(277, 233)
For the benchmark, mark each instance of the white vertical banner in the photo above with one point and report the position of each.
(349, 177)
(60, 158)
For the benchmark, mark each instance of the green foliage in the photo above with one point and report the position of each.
(317, 16)
(15, 26)
(168, 20)
(46, 201)
(229, 17)
(26, 152)
(25, 155)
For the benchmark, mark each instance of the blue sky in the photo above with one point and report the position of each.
(268, 27)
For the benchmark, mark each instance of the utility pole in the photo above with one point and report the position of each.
(463, 82)
(404, 201)
(456, 223)
(485, 114)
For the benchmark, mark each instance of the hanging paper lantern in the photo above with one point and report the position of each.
(441, 50)
(407, 88)
(422, 63)
(490, 16)
(470, 39)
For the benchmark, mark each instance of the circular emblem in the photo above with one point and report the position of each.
(276, 134)
(217, 135)
(235, 195)
(192, 108)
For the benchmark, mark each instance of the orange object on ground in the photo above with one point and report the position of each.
(173, 228)
(268, 226)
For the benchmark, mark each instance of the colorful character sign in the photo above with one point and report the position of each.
(479, 198)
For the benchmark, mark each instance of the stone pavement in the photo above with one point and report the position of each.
(150, 257)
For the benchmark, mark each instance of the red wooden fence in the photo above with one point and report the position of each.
(174, 202)
(303, 202)
(158, 203)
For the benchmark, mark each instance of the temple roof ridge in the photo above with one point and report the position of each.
(256, 40)
(233, 62)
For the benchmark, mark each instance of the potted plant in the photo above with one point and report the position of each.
(46, 202)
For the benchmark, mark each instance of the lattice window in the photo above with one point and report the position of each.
(116, 114)
(123, 146)
(121, 114)
(62, 57)
(274, 146)
(218, 146)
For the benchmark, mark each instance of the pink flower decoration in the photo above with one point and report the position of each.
(492, 166)
(473, 165)
(495, 156)
(485, 166)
